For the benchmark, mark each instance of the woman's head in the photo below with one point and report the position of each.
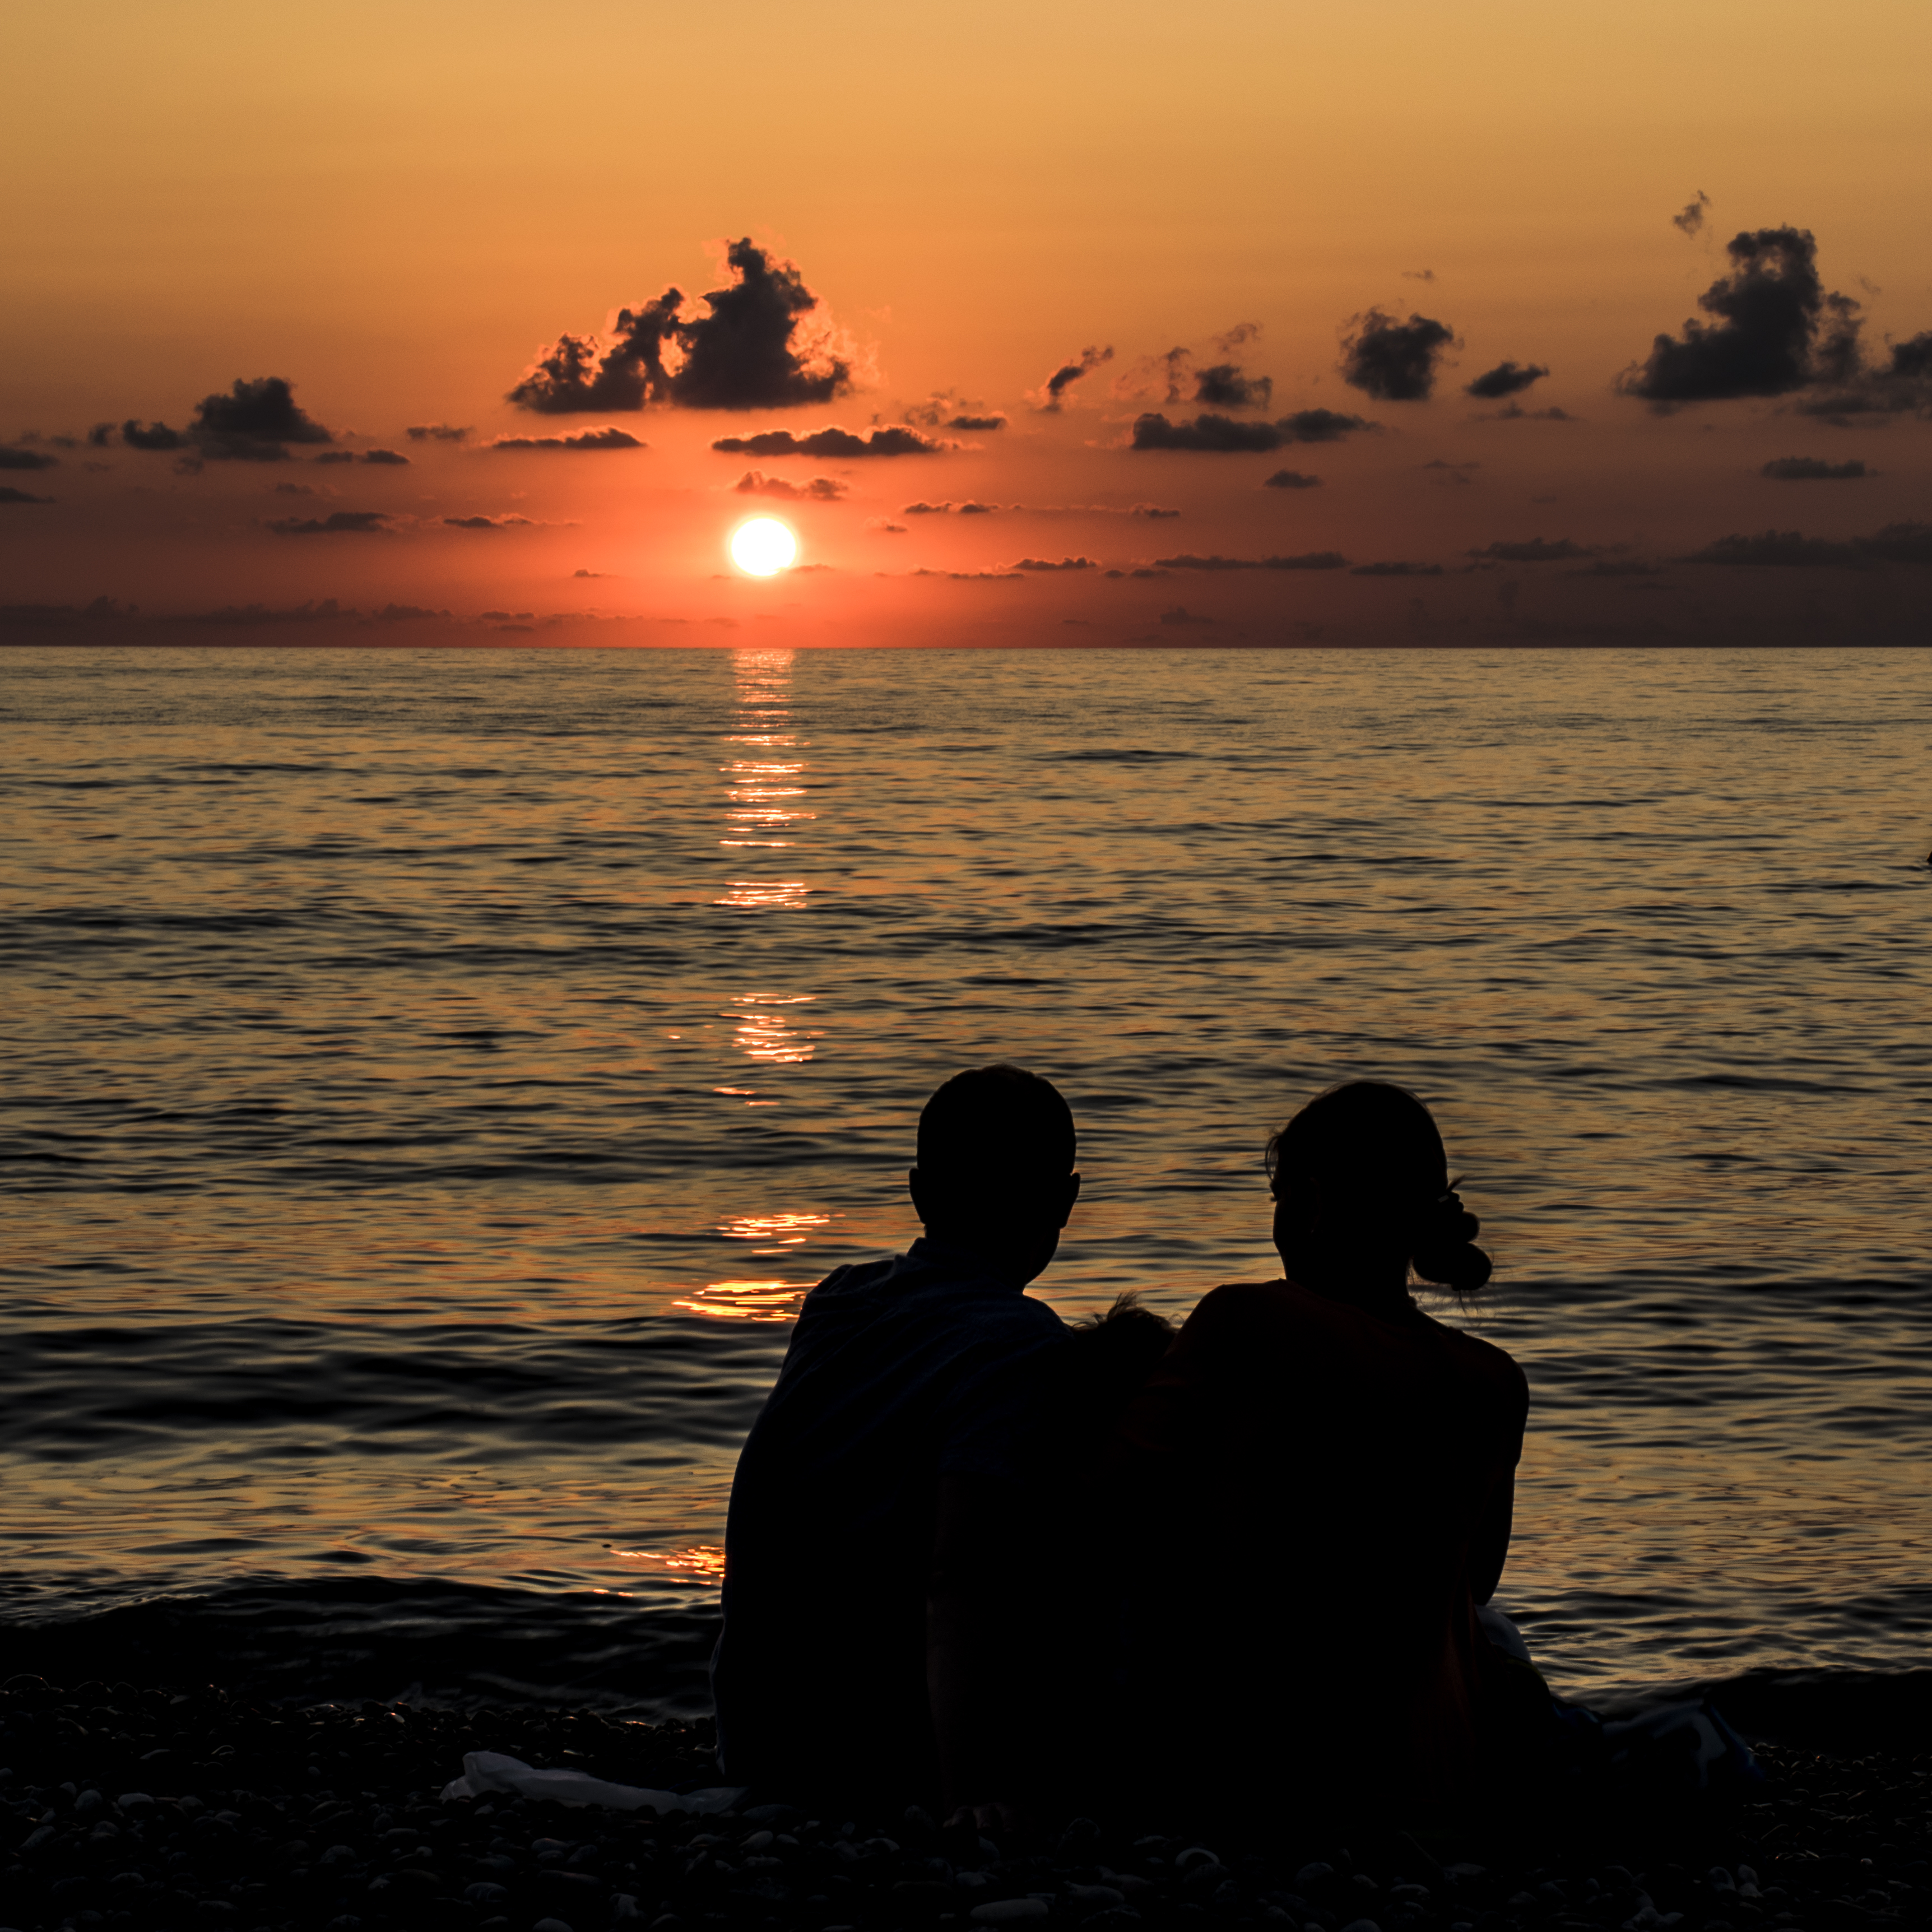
(1361, 1182)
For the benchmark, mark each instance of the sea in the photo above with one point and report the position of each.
(433, 1078)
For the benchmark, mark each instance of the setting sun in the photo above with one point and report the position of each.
(763, 547)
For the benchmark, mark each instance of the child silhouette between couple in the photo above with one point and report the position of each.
(979, 1557)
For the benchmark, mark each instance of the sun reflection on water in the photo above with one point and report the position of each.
(702, 1563)
(747, 1300)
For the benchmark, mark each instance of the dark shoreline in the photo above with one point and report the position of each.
(188, 1808)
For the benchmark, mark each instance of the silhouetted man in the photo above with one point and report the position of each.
(863, 1579)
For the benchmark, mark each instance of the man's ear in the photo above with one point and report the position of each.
(1072, 1195)
(916, 1187)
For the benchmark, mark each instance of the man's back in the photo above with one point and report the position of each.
(899, 1372)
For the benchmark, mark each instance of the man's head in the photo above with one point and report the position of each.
(995, 1172)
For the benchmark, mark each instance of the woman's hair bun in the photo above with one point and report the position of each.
(1441, 1246)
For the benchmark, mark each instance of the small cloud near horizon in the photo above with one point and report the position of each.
(437, 433)
(1813, 470)
(337, 524)
(833, 442)
(1290, 479)
(1313, 559)
(819, 490)
(1506, 379)
(585, 439)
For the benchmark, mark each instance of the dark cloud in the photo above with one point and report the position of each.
(402, 613)
(1321, 426)
(1506, 379)
(392, 458)
(1153, 512)
(1290, 479)
(589, 573)
(13, 458)
(947, 408)
(1220, 434)
(489, 523)
(1065, 563)
(1181, 615)
(970, 509)
(1691, 221)
(885, 527)
(1394, 361)
(1536, 549)
(589, 439)
(971, 576)
(820, 490)
(1777, 331)
(152, 435)
(8, 494)
(436, 432)
(1047, 398)
(1397, 570)
(757, 349)
(830, 443)
(1899, 386)
(1418, 275)
(1226, 386)
(252, 422)
(1313, 559)
(925, 509)
(1452, 472)
(1515, 412)
(1619, 566)
(1812, 470)
(337, 524)
(1223, 385)
(1896, 543)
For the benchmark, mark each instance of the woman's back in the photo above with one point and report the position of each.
(1351, 1473)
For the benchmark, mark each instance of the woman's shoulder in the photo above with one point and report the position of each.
(1485, 1359)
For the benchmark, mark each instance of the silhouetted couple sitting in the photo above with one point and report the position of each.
(979, 1557)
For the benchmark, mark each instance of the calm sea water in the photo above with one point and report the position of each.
(432, 1078)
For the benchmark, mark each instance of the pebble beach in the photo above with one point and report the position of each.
(183, 1808)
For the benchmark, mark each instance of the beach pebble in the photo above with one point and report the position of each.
(1095, 1896)
(135, 1800)
(1194, 1854)
(87, 1804)
(1361, 1925)
(549, 1925)
(1003, 1911)
(484, 1893)
(1311, 1876)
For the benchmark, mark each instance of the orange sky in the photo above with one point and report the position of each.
(395, 208)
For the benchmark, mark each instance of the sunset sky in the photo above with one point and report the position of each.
(1384, 322)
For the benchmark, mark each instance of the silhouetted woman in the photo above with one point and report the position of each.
(1336, 1469)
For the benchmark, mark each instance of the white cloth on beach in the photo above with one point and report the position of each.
(490, 1772)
